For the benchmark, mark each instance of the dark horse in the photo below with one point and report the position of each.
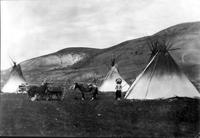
(86, 88)
(35, 91)
(56, 92)
(43, 92)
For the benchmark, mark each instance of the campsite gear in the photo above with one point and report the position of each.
(162, 78)
(22, 88)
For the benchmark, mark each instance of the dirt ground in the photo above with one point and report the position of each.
(175, 117)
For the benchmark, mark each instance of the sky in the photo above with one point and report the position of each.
(31, 28)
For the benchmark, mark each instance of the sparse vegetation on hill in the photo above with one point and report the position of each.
(133, 56)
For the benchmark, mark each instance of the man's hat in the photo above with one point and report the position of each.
(118, 80)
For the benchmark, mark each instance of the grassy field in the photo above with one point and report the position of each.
(103, 117)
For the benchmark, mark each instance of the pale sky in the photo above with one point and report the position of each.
(31, 28)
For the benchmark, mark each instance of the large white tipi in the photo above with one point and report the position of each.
(109, 82)
(15, 79)
(162, 78)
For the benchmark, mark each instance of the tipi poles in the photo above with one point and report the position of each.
(12, 60)
(151, 77)
(141, 74)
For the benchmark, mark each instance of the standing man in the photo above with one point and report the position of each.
(118, 89)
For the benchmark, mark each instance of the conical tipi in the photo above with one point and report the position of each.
(109, 82)
(162, 78)
(15, 79)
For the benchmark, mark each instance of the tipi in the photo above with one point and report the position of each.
(162, 78)
(15, 79)
(109, 82)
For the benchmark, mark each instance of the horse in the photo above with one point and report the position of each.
(85, 88)
(35, 91)
(55, 92)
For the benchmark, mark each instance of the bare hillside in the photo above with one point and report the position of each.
(84, 64)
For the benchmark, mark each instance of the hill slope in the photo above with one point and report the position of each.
(59, 59)
(132, 56)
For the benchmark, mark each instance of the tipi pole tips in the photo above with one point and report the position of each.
(112, 60)
(14, 63)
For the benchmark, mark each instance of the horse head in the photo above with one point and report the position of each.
(44, 81)
(44, 86)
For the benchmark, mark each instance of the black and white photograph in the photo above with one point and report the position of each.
(100, 68)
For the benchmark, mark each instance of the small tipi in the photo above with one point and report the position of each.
(15, 79)
(109, 82)
(162, 78)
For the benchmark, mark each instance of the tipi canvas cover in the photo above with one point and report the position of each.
(162, 78)
(15, 79)
(109, 82)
